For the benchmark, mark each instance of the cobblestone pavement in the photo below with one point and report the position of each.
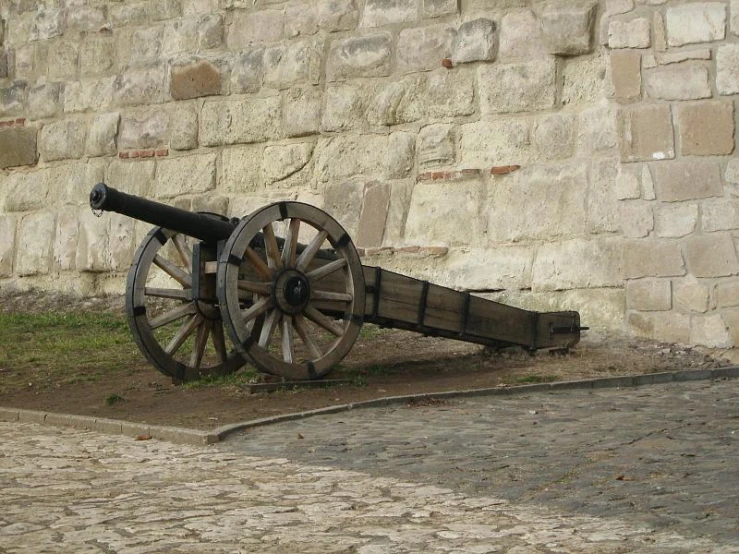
(649, 470)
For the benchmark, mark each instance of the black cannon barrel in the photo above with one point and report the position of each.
(206, 227)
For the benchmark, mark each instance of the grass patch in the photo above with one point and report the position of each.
(237, 379)
(534, 379)
(114, 399)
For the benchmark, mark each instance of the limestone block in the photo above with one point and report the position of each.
(210, 31)
(731, 319)
(652, 258)
(519, 87)
(401, 153)
(475, 41)
(183, 128)
(727, 293)
(712, 255)
(343, 201)
(386, 12)
(384, 104)
(337, 15)
(436, 146)
(241, 170)
(732, 171)
(47, 23)
(13, 99)
(423, 48)
(44, 100)
(247, 28)
(298, 62)
(400, 202)
(665, 326)
(675, 220)
(133, 177)
(539, 203)
(735, 16)
(180, 36)
(101, 139)
(568, 27)
(246, 75)
(706, 128)
(92, 243)
(727, 68)
(35, 238)
(627, 185)
(677, 181)
(3, 64)
(94, 94)
(720, 215)
(18, 146)
(710, 331)
(438, 8)
(637, 219)
(70, 183)
(144, 86)
(649, 295)
(185, 175)
(97, 54)
(63, 139)
(578, 264)
(7, 244)
(30, 61)
(66, 55)
(345, 106)
(210, 203)
(521, 37)
(584, 80)
(432, 96)
(597, 129)
(647, 184)
(365, 56)
(691, 295)
(554, 136)
(646, 133)
(633, 33)
(195, 79)
(367, 155)
(144, 128)
(301, 19)
(695, 22)
(479, 269)
(190, 7)
(86, 18)
(488, 143)
(603, 208)
(283, 161)
(301, 113)
(445, 204)
(120, 242)
(237, 121)
(146, 45)
(679, 83)
(64, 249)
(371, 227)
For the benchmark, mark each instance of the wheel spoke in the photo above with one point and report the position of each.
(174, 294)
(259, 307)
(326, 270)
(255, 286)
(183, 249)
(219, 341)
(268, 329)
(287, 339)
(183, 333)
(317, 317)
(302, 329)
(259, 265)
(291, 243)
(331, 296)
(273, 251)
(201, 341)
(179, 275)
(306, 257)
(172, 315)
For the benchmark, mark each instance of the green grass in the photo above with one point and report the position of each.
(237, 379)
(114, 399)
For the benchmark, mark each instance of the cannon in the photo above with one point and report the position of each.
(286, 287)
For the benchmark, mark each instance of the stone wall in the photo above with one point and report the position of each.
(571, 154)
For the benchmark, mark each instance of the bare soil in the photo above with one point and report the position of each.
(382, 363)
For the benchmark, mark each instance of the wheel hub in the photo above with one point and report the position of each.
(291, 291)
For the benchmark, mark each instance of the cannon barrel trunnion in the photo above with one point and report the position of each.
(286, 286)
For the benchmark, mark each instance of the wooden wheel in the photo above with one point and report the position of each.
(172, 310)
(291, 290)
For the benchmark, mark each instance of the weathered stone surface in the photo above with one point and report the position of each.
(670, 327)
(633, 33)
(490, 143)
(627, 185)
(300, 19)
(342, 200)
(646, 133)
(578, 264)
(101, 139)
(431, 96)
(603, 208)
(727, 68)
(366, 56)
(502, 267)
(237, 121)
(711, 255)
(281, 162)
(677, 181)
(185, 175)
(706, 128)
(179, 37)
(568, 28)
(301, 113)
(38, 230)
(345, 106)
(691, 295)
(144, 128)
(584, 80)
(183, 132)
(695, 22)
(86, 18)
(554, 136)
(93, 94)
(372, 156)
(710, 331)
(401, 154)
(475, 41)
(7, 245)
(436, 146)
(13, 99)
(675, 220)
(649, 295)
(596, 129)
(92, 244)
(146, 86)
(732, 171)
(647, 184)
(734, 7)
(298, 62)
(210, 31)
(194, 80)
(133, 177)
(423, 48)
(241, 170)
(97, 54)
(521, 37)
(371, 227)
(63, 139)
(246, 75)
(679, 83)
(726, 294)
(539, 203)
(383, 108)
(247, 28)
(720, 215)
(18, 146)
(648, 258)
(47, 23)
(337, 15)
(385, 12)
(44, 100)
(146, 46)
(637, 219)
(437, 8)
(520, 87)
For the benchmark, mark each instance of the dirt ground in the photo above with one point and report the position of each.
(382, 363)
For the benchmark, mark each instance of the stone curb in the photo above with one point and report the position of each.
(181, 435)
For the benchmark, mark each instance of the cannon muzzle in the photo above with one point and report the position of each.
(204, 226)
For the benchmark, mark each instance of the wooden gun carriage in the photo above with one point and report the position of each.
(285, 284)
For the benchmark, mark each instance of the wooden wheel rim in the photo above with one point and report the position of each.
(237, 251)
(141, 325)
